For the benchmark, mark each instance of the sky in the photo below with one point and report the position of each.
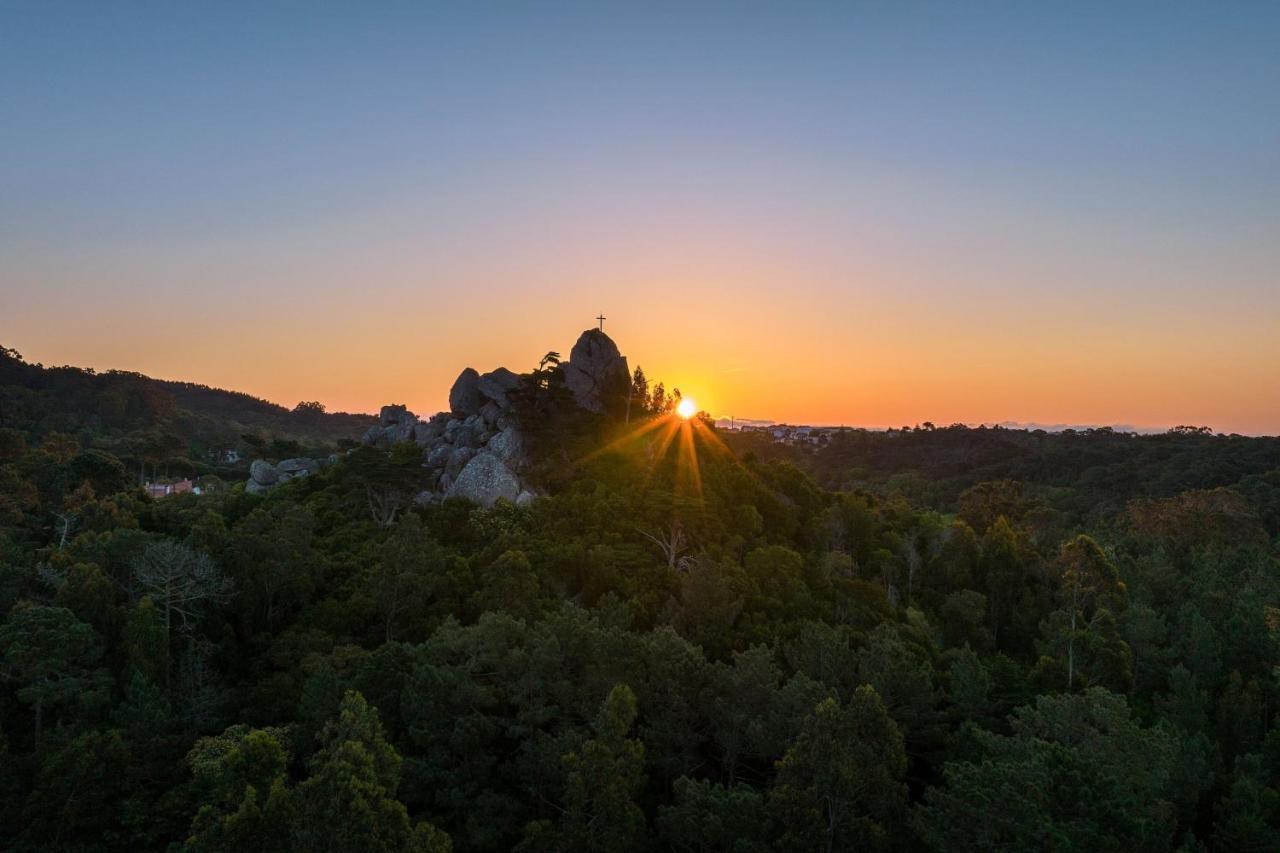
(853, 213)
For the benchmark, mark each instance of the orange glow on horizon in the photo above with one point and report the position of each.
(745, 367)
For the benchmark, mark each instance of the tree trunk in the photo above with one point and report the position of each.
(168, 636)
(1071, 650)
(831, 823)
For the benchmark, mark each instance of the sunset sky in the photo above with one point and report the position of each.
(874, 214)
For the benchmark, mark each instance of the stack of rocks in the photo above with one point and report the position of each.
(476, 451)
(473, 451)
(395, 423)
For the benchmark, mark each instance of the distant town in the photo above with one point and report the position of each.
(785, 433)
(819, 436)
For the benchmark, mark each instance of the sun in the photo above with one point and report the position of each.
(686, 408)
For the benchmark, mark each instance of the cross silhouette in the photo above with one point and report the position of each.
(601, 318)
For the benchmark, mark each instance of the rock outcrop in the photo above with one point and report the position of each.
(464, 396)
(507, 445)
(263, 476)
(395, 423)
(263, 473)
(476, 450)
(484, 480)
(496, 384)
(596, 370)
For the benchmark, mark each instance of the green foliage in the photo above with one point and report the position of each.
(1082, 638)
(707, 817)
(348, 803)
(604, 776)
(246, 802)
(1076, 772)
(51, 656)
(840, 784)
(1248, 817)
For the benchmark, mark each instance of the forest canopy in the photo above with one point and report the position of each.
(861, 647)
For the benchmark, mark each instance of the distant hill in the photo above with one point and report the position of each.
(182, 427)
(1088, 475)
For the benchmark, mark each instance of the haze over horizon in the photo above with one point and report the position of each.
(874, 216)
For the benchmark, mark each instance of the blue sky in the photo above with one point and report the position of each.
(1015, 182)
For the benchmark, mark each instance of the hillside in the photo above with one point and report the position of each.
(173, 427)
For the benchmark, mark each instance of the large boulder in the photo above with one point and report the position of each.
(392, 414)
(496, 384)
(596, 371)
(508, 446)
(467, 434)
(263, 473)
(438, 456)
(485, 480)
(299, 467)
(464, 397)
(490, 412)
(458, 460)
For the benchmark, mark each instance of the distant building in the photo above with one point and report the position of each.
(813, 436)
(176, 487)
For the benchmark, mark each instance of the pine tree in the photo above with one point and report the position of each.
(604, 776)
(52, 656)
(1248, 817)
(658, 399)
(638, 400)
(840, 785)
(348, 803)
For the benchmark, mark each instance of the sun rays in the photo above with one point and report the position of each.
(681, 431)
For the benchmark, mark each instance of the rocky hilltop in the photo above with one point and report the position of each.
(477, 449)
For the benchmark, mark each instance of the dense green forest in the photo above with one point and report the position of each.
(1089, 475)
(942, 639)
